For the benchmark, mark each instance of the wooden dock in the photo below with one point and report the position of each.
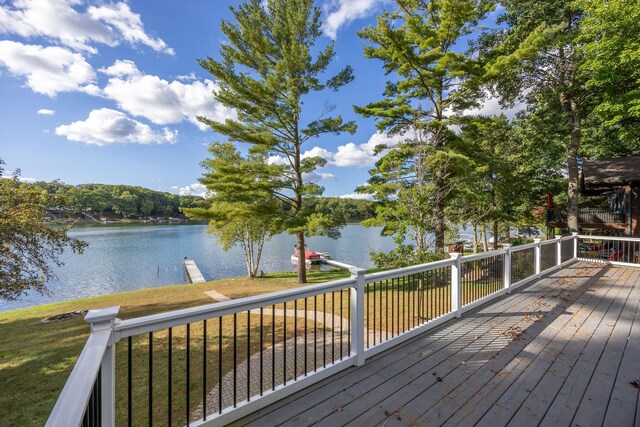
(562, 351)
(193, 272)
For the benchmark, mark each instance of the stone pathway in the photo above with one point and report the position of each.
(323, 348)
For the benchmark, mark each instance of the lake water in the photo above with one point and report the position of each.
(127, 257)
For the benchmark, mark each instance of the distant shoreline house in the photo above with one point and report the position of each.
(611, 191)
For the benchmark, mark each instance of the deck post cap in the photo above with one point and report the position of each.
(455, 255)
(537, 240)
(557, 236)
(103, 315)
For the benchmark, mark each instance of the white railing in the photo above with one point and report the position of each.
(244, 354)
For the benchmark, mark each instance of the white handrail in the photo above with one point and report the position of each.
(405, 271)
(154, 322)
(624, 239)
(72, 402)
(483, 255)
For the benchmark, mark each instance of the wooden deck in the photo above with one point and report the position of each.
(562, 351)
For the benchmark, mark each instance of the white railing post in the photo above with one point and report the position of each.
(559, 250)
(575, 244)
(507, 267)
(357, 315)
(456, 283)
(537, 256)
(100, 320)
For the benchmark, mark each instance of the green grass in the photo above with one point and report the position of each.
(36, 358)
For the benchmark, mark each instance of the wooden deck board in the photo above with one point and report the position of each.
(471, 391)
(603, 379)
(377, 370)
(537, 403)
(468, 372)
(515, 371)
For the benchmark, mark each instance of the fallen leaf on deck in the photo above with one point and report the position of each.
(635, 383)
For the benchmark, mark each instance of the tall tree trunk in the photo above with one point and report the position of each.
(302, 265)
(475, 239)
(572, 157)
(483, 236)
(495, 234)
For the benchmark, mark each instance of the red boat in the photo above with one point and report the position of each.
(310, 257)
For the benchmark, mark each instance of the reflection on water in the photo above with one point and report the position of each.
(128, 257)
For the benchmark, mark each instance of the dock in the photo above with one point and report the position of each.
(193, 272)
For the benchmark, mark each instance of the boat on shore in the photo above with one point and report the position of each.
(310, 257)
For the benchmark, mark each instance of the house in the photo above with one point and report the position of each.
(611, 193)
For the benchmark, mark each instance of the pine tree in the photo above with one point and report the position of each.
(434, 83)
(267, 68)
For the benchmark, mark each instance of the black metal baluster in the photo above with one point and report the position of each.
(333, 327)
(261, 350)
(150, 378)
(386, 305)
(315, 332)
(204, 370)
(324, 330)
(220, 364)
(273, 347)
(349, 321)
(169, 376)
(374, 314)
(306, 369)
(188, 392)
(129, 383)
(235, 359)
(393, 310)
(366, 293)
(284, 346)
(248, 355)
(341, 334)
(295, 340)
(380, 312)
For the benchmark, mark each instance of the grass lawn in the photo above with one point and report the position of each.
(36, 358)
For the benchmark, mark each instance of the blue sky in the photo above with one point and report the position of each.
(107, 92)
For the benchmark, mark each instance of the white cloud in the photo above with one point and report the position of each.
(187, 77)
(318, 152)
(161, 101)
(121, 68)
(128, 24)
(195, 189)
(20, 178)
(63, 23)
(363, 155)
(491, 106)
(343, 12)
(48, 70)
(357, 196)
(350, 154)
(317, 176)
(106, 126)
(46, 112)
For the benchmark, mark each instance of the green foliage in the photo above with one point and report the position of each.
(268, 65)
(28, 247)
(342, 209)
(126, 200)
(517, 241)
(611, 47)
(242, 210)
(434, 84)
(404, 256)
(536, 59)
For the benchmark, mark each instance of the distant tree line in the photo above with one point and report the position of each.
(126, 200)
